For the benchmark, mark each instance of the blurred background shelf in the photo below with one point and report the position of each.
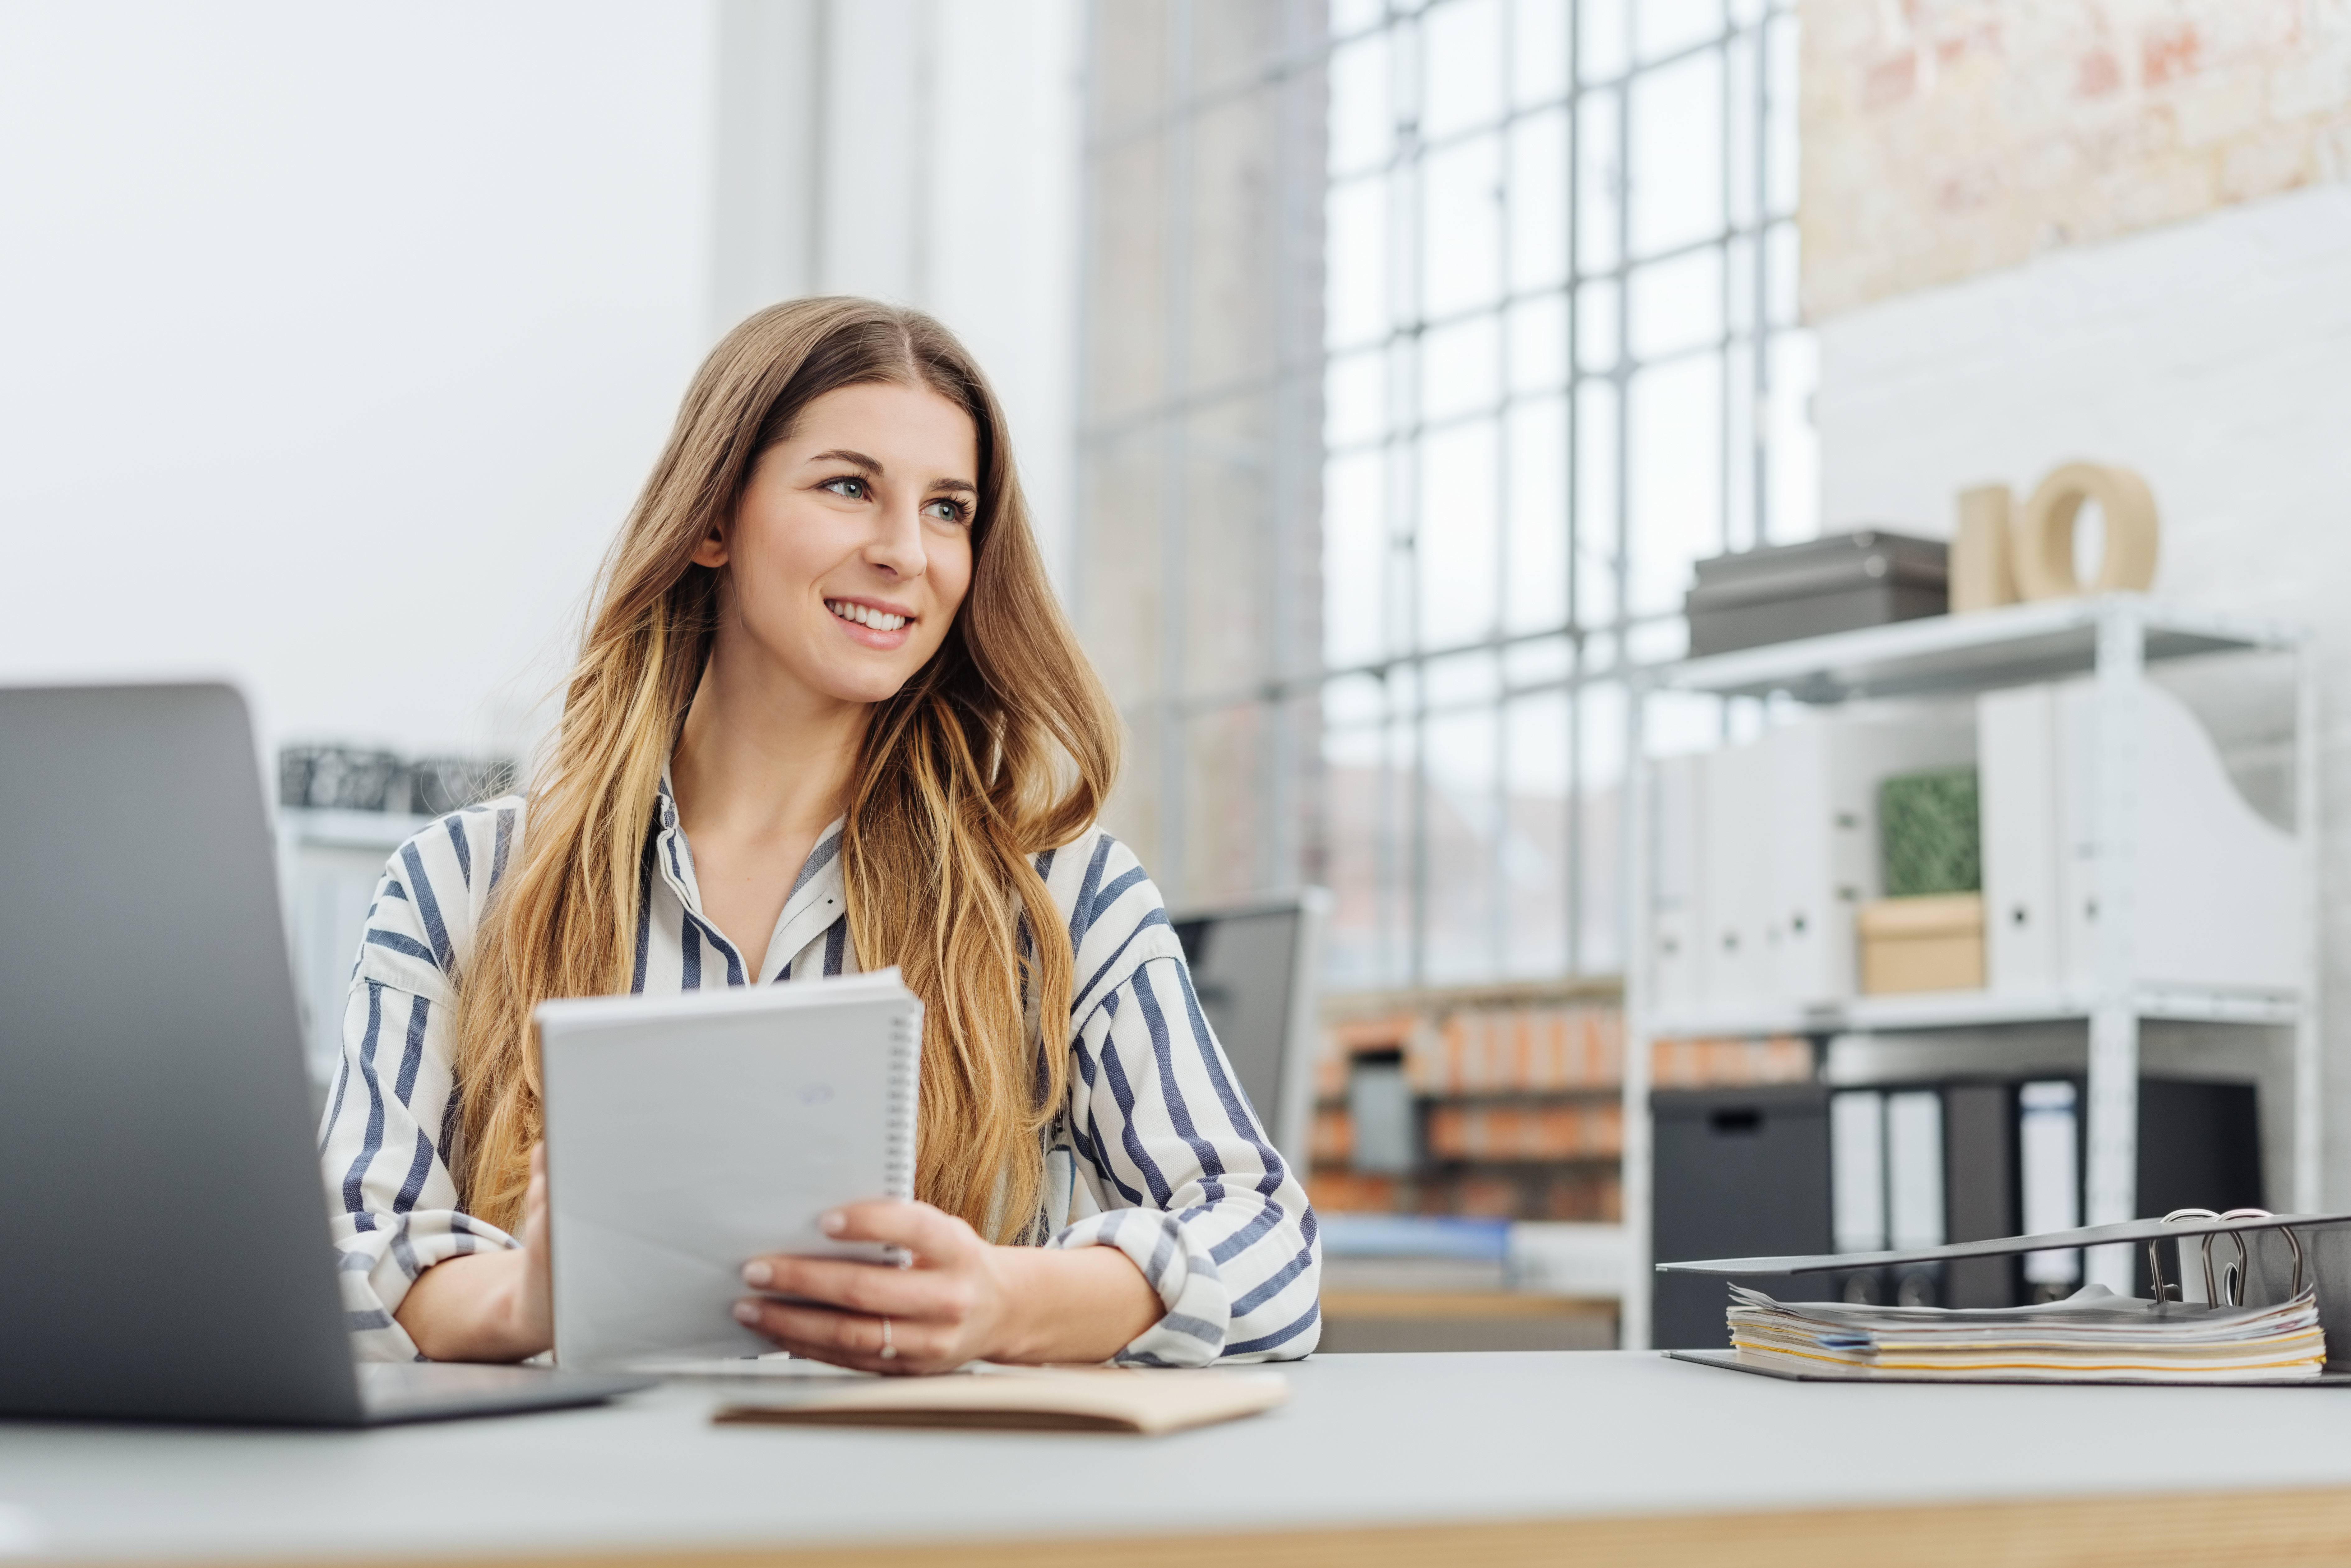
(1978, 1008)
(1942, 655)
(2150, 848)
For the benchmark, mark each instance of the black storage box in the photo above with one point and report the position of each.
(1739, 1173)
(1837, 583)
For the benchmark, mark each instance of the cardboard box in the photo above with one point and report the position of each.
(1934, 944)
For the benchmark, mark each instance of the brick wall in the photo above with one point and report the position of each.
(1944, 139)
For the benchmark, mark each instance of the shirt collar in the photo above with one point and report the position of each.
(817, 897)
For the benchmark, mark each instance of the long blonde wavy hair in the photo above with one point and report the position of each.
(1003, 745)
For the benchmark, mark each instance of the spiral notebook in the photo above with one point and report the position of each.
(688, 1133)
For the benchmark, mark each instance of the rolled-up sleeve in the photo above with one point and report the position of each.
(1192, 1192)
(391, 1113)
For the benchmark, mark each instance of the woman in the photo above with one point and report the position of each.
(827, 717)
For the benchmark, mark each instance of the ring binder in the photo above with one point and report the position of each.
(2166, 1344)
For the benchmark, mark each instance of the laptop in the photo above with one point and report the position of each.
(163, 1225)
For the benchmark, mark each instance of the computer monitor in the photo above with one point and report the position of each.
(1255, 966)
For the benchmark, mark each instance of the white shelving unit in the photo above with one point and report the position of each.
(328, 865)
(2113, 639)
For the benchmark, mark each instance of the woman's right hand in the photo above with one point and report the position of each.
(488, 1306)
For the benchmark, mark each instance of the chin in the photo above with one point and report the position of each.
(867, 686)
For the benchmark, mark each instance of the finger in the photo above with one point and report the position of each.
(905, 1362)
(534, 1205)
(846, 1338)
(931, 1234)
(901, 1366)
(870, 1287)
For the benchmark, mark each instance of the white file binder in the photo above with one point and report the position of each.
(1734, 961)
(2214, 901)
(2016, 758)
(1821, 821)
(1678, 920)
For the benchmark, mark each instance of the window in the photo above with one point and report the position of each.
(1560, 360)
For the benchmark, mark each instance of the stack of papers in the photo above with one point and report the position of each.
(2092, 1334)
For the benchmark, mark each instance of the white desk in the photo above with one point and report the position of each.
(1597, 1457)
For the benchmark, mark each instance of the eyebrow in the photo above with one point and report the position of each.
(859, 460)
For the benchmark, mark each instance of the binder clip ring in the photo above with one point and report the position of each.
(2154, 1266)
(2293, 1244)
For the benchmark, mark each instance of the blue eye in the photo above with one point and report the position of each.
(854, 490)
(946, 511)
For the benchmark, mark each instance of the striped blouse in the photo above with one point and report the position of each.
(1156, 1153)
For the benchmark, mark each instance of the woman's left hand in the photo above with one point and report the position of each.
(962, 1300)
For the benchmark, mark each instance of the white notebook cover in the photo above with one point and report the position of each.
(688, 1133)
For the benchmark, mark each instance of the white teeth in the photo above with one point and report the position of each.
(863, 616)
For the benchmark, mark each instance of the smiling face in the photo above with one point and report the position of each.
(851, 550)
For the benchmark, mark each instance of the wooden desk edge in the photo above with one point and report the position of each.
(2310, 1525)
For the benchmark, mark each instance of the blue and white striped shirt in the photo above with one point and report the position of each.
(1156, 1151)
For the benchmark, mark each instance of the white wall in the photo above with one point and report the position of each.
(2214, 358)
(336, 340)
(924, 151)
(1002, 235)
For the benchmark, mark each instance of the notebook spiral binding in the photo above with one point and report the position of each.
(905, 1088)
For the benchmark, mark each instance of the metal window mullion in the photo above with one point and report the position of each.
(1572, 507)
(1723, 390)
(1380, 668)
(1623, 563)
(1416, 254)
(1497, 910)
(1278, 860)
(1392, 852)
(1714, 240)
(1567, 100)
(1413, 435)
(1174, 480)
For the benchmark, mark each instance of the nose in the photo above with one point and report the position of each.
(896, 546)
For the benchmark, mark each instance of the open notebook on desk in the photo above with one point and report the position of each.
(2267, 1323)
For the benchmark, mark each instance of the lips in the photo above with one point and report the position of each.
(882, 627)
(863, 613)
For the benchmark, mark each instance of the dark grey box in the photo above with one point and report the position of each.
(1737, 1173)
(1840, 582)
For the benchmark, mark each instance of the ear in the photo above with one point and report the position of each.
(711, 550)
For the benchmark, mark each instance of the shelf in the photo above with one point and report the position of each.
(1954, 654)
(1454, 1164)
(1976, 1010)
(1554, 1096)
(340, 830)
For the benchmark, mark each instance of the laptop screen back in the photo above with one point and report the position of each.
(161, 1216)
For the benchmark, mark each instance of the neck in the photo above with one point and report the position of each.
(762, 759)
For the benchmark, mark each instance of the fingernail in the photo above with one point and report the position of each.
(833, 1224)
(746, 1311)
(756, 1273)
